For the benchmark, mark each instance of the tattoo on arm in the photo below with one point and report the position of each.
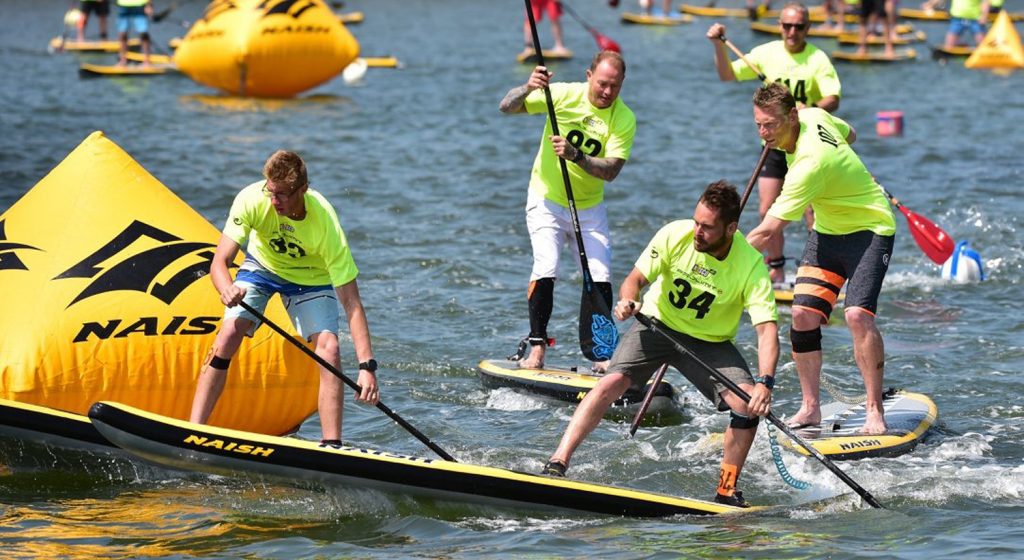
(514, 101)
(606, 169)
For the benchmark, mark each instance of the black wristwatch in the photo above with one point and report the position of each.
(767, 380)
(370, 365)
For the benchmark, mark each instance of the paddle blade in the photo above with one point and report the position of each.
(606, 44)
(598, 335)
(935, 242)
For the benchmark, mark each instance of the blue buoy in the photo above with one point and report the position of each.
(964, 266)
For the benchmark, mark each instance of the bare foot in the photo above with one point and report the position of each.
(861, 51)
(559, 49)
(535, 360)
(889, 53)
(803, 419)
(874, 425)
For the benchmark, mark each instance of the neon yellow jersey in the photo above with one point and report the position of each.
(598, 132)
(697, 294)
(132, 3)
(808, 74)
(965, 9)
(827, 174)
(312, 251)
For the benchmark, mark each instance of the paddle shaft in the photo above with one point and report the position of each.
(588, 280)
(661, 371)
(739, 53)
(729, 384)
(348, 381)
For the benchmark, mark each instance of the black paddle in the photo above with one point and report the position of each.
(649, 323)
(594, 313)
(661, 371)
(348, 381)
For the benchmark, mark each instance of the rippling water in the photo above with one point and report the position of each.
(430, 181)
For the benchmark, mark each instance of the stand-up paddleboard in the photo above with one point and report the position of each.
(565, 384)
(382, 62)
(549, 56)
(154, 58)
(906, 55)
(24, 421)
(900, 40)
(773, 29)
(351, 18)
(92, 46)
(713, 11)
(958, 51)
(651, 19)
(928, 15)
(195, 447)
(907, 415)
(87, 70)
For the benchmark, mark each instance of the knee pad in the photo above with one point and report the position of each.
(805, 341)
(741, 422)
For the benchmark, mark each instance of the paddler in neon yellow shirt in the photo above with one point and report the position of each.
(967, 15)
(295, 247)
(702, 275)
(598, 131)
(133, 14)
(808, 73)
(851, 242)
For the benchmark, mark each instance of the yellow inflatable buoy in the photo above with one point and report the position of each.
(1001, 49)
(72, 17)
(266, 48)
(104, 271)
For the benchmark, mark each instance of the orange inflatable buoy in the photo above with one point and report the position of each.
(1001, 49)
(266, 48)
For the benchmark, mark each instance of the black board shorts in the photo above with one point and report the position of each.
(100, 8)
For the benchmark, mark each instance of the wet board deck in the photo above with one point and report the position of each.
(713, 11)
(907, 415)
(772, 28)
(549, 56)
(565, 384)
(198, 448)
(92, 46)
(648, 19)
(87, 70)
(874, 57)
(901, 40)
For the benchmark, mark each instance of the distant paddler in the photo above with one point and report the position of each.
(852, 241)
(99, 7)
(970, 16)
(133, 14)
(808, 74)
(870, 12)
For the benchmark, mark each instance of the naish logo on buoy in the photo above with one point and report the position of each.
(294, 8)
(218, 7)
(233, 446)
(8, 258)
(138, 272)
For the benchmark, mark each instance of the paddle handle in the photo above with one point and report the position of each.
(348, 381)
(739, 53)
(729, 384)
(658, 375)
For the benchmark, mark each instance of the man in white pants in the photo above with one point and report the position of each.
(598, 131)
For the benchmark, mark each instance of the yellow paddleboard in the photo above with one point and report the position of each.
(773, 29)
(91, 46)
(382, 62)
(351, 18)
(874, 57)
(647, 19)
(549, 56)
(942, 51)
(901, 40)
(710, 11)
(87, 70)
(153, 58)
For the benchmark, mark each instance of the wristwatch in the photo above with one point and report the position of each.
(578, 156)
(767, 380)
(370, 365)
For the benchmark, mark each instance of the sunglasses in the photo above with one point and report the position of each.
(792, 26)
